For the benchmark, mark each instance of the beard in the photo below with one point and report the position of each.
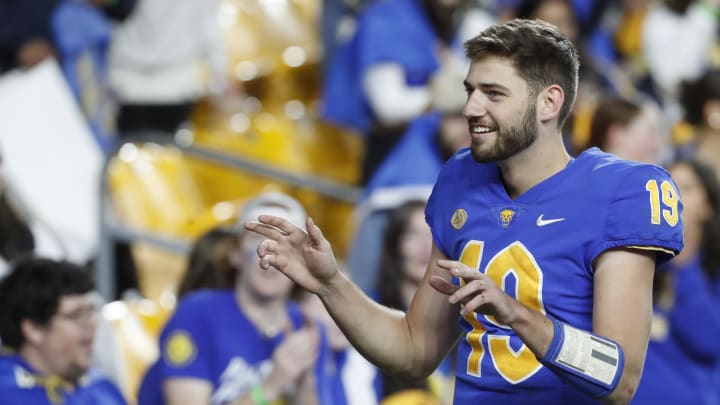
(510, 141)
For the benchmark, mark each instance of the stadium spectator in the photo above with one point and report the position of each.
(676, 40)
(157, 57)
(209, 263)
(701, 103)
(378, 81)
(242, 344)
(627, 129)
(48, 321)
(407, 243)
(684, 349)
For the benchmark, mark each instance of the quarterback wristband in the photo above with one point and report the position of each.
(590, 362)
(258, 396)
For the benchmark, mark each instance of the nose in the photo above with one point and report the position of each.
(476, 105)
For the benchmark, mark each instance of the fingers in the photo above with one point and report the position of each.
(301, 346)
(466, 292)
(267, 247)
(473, 304)
(272, 226)
(442, 286)
(282, 224)
(278, 263)
(458, 269)
(265, 230)
(316, 235)
(471, 295)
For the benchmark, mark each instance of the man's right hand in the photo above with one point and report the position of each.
(306, 257)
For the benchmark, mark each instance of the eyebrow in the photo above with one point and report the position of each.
(486, 86)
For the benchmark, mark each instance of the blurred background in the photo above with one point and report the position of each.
(128, 128)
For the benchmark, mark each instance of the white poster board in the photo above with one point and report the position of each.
(51, 160)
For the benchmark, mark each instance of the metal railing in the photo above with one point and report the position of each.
(113, 230)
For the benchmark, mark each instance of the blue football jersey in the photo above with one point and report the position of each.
(210, 338)
(21, 385)
(540, 248)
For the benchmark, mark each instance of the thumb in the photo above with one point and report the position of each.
(442, 286)
(316, 235)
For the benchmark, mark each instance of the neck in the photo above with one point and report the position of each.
(37, 362)
(545, 157)
(269, 316)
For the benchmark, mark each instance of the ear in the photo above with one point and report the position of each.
(550, 102)
(31, 331)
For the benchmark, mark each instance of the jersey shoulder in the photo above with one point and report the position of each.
(601, 168)
(639, 203)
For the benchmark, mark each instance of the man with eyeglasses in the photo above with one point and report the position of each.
(48, 317)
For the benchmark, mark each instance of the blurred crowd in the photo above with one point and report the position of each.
(389, 75)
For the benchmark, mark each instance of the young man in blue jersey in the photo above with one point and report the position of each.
(542, 264)
(48, 315)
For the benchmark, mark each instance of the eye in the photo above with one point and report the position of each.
(494, 94)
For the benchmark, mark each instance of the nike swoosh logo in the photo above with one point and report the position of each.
(542, 222)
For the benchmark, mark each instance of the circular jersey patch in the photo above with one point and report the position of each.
(458, 219)
(180, 348)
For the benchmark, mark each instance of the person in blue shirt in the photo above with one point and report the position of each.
(243, 345)
(684, 349)
(378, 81)
(542, 264)
(47, 327)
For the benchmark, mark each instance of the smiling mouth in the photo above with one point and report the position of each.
(481, 129)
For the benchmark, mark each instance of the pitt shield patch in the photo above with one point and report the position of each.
(506, 216)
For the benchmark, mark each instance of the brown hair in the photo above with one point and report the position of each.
(611, 111)
(209, 263)
(541, 54)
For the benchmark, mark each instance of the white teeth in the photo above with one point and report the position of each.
(482, 130)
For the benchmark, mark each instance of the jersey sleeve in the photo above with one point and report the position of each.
(183, 343)
(643, 212)
(436, 210)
